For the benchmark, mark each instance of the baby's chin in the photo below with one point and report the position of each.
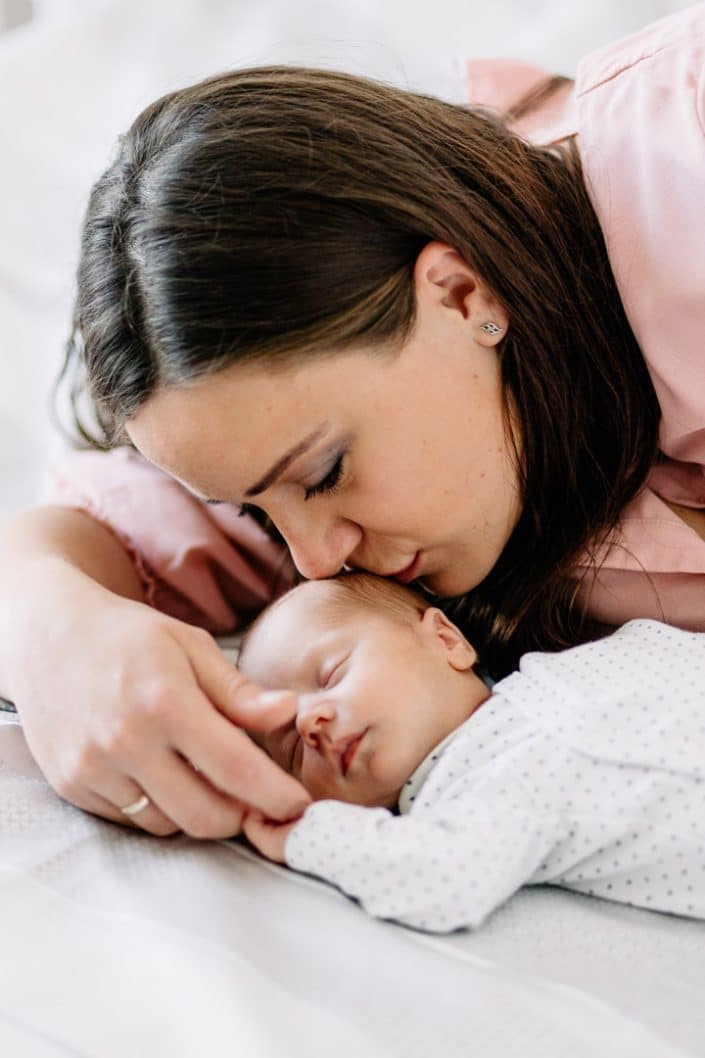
(372, 796)
(368, 795)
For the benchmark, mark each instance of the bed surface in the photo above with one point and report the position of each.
(119, 944)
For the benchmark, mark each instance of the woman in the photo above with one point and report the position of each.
(419, 344)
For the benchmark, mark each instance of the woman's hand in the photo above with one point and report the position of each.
(267, 836)
(117, 700)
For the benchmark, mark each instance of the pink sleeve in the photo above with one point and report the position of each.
(641, 110)
(638, 109)
(499, 84)
(202, 564)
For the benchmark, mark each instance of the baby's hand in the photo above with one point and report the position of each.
(267, 835)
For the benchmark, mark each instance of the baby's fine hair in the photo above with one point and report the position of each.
(354, 589)
(351, 591)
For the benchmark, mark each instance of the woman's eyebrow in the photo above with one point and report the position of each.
(281, 464)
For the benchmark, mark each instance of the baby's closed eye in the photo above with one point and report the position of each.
(332, 671)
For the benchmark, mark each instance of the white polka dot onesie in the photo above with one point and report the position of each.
(584, 769)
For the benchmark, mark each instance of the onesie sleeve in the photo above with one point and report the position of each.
(202, 564)
(439, 870)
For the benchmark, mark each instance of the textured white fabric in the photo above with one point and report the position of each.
(118, 944)
(585, 769)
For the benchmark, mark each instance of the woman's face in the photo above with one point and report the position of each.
(372, 459)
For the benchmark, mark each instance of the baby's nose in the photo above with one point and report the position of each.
(313, 719)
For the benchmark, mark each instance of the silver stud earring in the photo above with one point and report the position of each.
(490, 328)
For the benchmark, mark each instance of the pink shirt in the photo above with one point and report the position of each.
(638, 109)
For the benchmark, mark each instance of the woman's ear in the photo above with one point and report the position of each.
(442, 277)
(459, 654)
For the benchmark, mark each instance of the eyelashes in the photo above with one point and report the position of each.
(329, 482)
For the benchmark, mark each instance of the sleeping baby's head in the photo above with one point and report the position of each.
(381, 678)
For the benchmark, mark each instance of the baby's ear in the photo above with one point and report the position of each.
(458, 652)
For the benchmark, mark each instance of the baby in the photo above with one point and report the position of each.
(584, 769)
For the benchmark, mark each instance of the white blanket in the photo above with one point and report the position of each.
(116, 944)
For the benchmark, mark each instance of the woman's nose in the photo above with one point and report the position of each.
(321, 550)
(313, 719)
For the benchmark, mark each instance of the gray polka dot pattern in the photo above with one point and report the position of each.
(585, 769)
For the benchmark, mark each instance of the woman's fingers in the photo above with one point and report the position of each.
(142, 697)
(198, 769)
(239, 699)
(194, 806)
(185, 796)
(150, 819)
(239, 768)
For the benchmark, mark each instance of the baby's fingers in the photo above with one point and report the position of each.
(267, 836)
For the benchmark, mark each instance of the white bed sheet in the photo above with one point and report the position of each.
(118, 944)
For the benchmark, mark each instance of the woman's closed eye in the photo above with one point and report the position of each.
(329, 482)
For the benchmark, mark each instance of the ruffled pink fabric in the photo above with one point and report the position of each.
(203, 564)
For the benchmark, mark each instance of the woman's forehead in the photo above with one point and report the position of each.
(266, 384)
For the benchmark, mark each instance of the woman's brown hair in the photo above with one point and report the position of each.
(275, 213)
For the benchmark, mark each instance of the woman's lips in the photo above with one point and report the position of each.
(411, 572)
(350, 751)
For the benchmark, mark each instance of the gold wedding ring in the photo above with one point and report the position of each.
(137, 806)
